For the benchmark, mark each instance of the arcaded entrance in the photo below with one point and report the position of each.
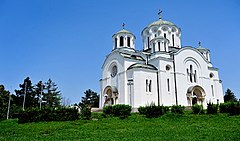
(195, 95)
(110, 95)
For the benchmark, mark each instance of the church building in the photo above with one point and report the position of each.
(164, 72)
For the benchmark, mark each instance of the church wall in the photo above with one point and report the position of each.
(141, 96)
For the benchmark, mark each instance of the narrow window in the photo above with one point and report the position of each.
(195, 76)
(155, 35)
(121, 41)
(165, 46)
(191, 73)
(159, 46)
(154, 47)
(115, 43)
(146, 85)
(150, 86)
(173, 39)
(148, 41)
(165, 35)
(128, 41)
(187, 75)
(212, 90)
(168, 85)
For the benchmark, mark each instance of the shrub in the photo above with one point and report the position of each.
(177, 109)
(122, 111)
(212, 108)
(197, 109)
(35, 115)
(225, 107)
(86, 113)
(234, 109)
(142, 110)
(153, 111)
(107, 111)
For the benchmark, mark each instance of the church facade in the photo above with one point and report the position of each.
(163, 72)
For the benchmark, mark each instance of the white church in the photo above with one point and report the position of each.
(164, 72)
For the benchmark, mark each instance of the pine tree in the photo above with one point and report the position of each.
(52, 96)
(229, 96)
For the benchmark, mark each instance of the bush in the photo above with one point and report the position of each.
(122, 111)
(142, 110)
(177, 109)
(86, 113)
(225, 107)
(35, 115)
(212, 108)
(153, 111)
(107, 111)
(197, 109)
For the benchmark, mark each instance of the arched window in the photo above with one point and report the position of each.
(121, 41)
(165, 35)
(115, 43)
(165, 46)
(128, 41)
(154, 47)
(191, 72)
(146, 85)
(168, 85)
(150, 86)
(195, 76)
(173, 39)
(148, 40)
(159, 46)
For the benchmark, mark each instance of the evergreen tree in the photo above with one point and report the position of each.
(229, 96)
(52, 96)
(39, 91)
(4, 98)
(90, 99)
(31, 100)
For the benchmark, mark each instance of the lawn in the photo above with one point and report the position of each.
(135, 128)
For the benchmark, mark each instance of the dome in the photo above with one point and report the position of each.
(146, 66)
(160, 22)
(124, 31)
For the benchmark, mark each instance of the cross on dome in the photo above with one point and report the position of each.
(123, 26)
(160, 14)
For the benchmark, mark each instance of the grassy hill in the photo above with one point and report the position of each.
(135, 128)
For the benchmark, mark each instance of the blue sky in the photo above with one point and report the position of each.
(68, 41)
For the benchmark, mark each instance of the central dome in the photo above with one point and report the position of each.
(160, 22)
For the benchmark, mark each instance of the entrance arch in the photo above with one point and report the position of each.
(195, 95)
(110, 95)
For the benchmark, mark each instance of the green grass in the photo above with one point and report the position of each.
(135, 128)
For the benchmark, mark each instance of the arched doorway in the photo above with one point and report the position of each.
(195, 95)
(110, 95)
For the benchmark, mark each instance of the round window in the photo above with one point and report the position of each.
(114, 71)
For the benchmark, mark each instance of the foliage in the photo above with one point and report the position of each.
(86, 113)
(233, 108)
(52, 96)
(90, 99)
(229, 96)
(122, 111)
(197, 109)
(27, 90)
(152, 111)
(4, 98)
(107, 111)
(212, 108)
(135, 128)
(48, 114)
(177, 109)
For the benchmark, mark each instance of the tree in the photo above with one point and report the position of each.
(52, 96)
(91, 99)
(4, 98)
(26, 89)
(229, 96)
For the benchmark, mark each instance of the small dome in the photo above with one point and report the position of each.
(146, 66)
(123, 31)
(160, 22)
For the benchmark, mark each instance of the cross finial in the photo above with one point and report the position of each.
(199, 43)
(123, 26)
(160, 14)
